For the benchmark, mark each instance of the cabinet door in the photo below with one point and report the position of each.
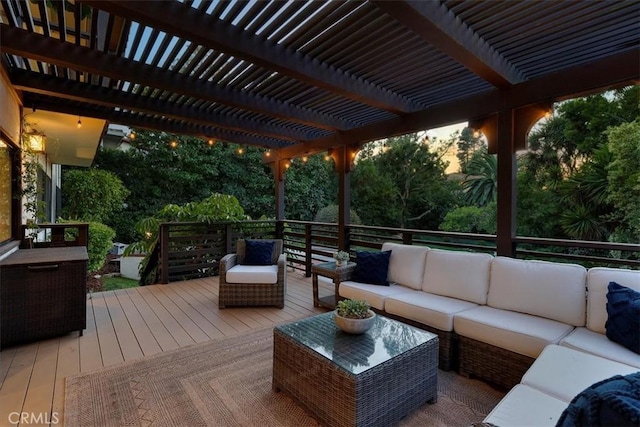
(12, 305)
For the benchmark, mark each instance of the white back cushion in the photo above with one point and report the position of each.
(598, 279)
(461, 275)
(406, 265)
(547, 289)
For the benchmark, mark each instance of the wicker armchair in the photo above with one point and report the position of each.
(242, 285)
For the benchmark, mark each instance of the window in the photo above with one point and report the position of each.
(6, 184)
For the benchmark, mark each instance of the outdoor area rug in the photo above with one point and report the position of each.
(227, 382)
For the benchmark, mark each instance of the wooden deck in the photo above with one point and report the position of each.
(125, 325)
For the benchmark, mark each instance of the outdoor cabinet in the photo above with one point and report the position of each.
(42, 294)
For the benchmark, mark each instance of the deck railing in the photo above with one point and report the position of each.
(190, 250)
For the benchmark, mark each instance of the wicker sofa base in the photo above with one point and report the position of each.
(495, 365)
(447, 352)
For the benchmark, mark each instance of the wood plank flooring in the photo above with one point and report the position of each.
(125, 325)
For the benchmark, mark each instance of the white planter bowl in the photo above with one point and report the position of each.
(355, 326)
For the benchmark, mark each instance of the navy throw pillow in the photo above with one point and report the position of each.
(258, 252)
(372, 267)
(623, 316)
(614, 401)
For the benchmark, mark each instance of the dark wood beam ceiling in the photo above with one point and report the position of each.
(30, 81)
(23, 43)
(144, 122)
(607, 73)
(183, 21)
(438, 26)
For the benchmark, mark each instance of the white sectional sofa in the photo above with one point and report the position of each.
(496, 316)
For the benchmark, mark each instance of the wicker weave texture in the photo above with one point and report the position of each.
(493, 364)
(252, 294)
(448, 357)
(379, 396)
(41, 301)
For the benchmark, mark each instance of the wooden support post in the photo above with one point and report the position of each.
(506, 217)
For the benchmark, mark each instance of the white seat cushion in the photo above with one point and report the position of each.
(588, 341)
(563, 373)
(546, 289)
(598, 279)
(406, 264)
(524, 406)
(432, 310)
(517, 332)
(461, 275)
(265, 274)
(373, 294)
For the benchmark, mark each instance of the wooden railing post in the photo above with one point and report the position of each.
(228, 231)
(307, 250)
(407, 238)
(164, 253)
(280, 229)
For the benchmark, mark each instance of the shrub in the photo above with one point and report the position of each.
(330, 214)
(100, 241)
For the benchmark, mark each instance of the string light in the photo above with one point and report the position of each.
(173, 144)
(476, 133)
(548, 113)
(268, 153)
(210, 142)
(240, 150)
(132, 135)
(304, 159)
(79, 122)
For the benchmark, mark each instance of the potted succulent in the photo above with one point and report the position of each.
(354, 316)
(341, 257)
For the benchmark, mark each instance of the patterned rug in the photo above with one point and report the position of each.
(227, 382)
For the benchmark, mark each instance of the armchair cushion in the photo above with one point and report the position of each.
(253, 274)
(258, 252)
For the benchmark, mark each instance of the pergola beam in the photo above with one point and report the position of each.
(21, 42)
(29, 81)
(146, 122)
(183, 21)
(607, 73)
(438, 26)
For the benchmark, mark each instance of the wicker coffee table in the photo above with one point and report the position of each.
(373, 379)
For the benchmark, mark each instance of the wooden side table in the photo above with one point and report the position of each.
(337, 274)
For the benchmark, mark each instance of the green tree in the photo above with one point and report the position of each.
(468, 145)
(563, 188)
(330, 214)
(309, 186)
(159, 173)
(623, 177)
(471, 219)
(413, 182)
(480, 186)
(92, 195)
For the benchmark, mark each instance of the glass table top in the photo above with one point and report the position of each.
(385, 340)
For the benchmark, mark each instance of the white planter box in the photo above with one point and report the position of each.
(129, 267)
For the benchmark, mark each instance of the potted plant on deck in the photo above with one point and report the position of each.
(354, 316)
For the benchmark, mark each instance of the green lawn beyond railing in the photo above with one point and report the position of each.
(191, 250)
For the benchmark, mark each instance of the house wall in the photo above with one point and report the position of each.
(9, 110)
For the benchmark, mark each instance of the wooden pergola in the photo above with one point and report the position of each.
(302, 77)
